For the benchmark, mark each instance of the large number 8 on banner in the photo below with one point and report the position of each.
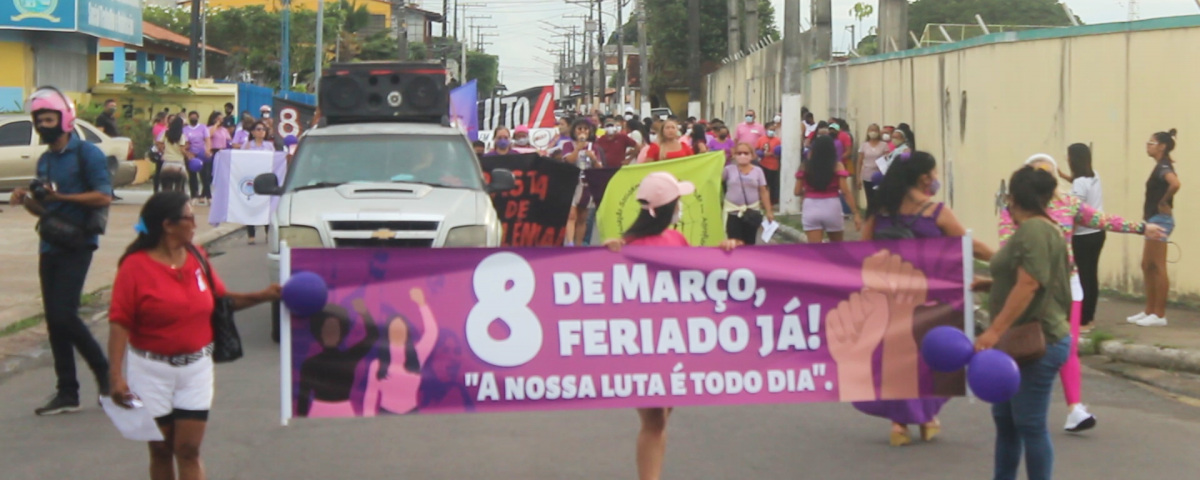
(288, 125)
(498, 302)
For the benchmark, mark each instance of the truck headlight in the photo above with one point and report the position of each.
(469, 236)
(300, 237)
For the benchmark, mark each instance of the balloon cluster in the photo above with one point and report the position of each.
(305, 294)
(992, 374)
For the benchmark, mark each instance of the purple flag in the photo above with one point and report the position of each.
(463, 111)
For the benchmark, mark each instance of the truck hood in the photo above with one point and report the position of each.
(307, 206)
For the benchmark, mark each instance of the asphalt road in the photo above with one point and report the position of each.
(1140, 434)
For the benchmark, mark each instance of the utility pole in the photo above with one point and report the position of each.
(600, 48)
(445, 15)
(463, 38)
(751, 35)
(643, 61)
(285, 74)
(793, 72)
(589, 29)
(203, 38)
(194, 47)
(822, 30)
(622, 80)
(734, 26)
(693, 58)
(893, 24)
(400, 28)
(320, 50)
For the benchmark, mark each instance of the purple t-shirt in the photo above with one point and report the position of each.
(742, 189)
(726, 146)
(196, 136)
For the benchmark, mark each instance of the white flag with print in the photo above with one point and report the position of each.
(246, 207)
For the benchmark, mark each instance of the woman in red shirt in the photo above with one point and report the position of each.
(162, 304)
(669, 146)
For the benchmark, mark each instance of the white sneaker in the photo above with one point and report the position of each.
(1079, 420)
(1152, 321)
(1136, 318)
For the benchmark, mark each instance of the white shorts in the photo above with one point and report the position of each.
(822, 214)
(164, 388)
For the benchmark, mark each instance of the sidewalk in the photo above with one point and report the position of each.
(20, 290)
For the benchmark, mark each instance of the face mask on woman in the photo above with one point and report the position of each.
(887, 138)
(743, 158)
(872, 135)
(678, 214)
(653, 137)
(935, 186)
(770, 134)
(521, 142)
(502, 143)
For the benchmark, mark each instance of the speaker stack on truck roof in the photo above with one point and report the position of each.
(385, 92)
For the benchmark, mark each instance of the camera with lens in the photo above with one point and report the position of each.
(37, 188)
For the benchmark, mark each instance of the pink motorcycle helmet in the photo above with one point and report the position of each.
(49, 98)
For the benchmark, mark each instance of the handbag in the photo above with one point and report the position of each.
(750, 218)
(227, 344)
(62, 232)
(1024, 343)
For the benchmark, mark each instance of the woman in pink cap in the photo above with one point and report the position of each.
(520, 138)
(659, 194)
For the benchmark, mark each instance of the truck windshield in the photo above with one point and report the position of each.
(438, 160)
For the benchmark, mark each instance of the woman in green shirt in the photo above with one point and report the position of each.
(1030, 283)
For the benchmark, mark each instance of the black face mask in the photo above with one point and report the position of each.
(193, 121)
(50, 135)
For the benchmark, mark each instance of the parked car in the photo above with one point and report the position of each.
(660, 113)
(20, 149)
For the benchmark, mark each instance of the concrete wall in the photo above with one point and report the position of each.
(984, 105)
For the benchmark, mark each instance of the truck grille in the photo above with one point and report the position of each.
(374, 225)
(383, 232)
(383, 243)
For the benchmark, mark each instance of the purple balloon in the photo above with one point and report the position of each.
(195, 164)
(305, 294)
(994, 376)
(290, 140)
(947, 349)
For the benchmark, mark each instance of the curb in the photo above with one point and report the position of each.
(1155, 357)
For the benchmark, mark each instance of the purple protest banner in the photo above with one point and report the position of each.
(492, 330)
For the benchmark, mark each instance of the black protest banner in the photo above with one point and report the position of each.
(294, 118)
(534, 213)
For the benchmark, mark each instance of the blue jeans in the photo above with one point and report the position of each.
(1165, 221)
(1021, 421)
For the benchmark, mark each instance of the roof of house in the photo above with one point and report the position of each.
(154, 32)
(433, 16)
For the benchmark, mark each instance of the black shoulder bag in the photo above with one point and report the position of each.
(750, 217)
(62, 232)
(227, 344)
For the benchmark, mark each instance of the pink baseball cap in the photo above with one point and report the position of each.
(661, 188)
(521, 129)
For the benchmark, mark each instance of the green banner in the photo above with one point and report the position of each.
(703, 221)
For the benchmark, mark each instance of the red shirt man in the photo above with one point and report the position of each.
(614, 146)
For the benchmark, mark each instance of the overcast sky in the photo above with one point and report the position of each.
(525, 27)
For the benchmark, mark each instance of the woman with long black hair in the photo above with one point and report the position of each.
(327, 378)
(1087, 241)
(175, 156)
(1158, 209)
(659, 194)
(1030, 284)
(905, 201)
(394, 379)
(161, 313)
(821, 182)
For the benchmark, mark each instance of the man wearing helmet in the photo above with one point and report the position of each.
(72, 187)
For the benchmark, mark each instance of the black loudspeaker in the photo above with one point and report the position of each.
(383, 92)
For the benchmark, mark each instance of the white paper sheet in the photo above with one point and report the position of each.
(133, 423)
(768, 230)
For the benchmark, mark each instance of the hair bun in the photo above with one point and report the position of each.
(1172, 132)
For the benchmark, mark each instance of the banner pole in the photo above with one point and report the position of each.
(968, 253)
(285, 339)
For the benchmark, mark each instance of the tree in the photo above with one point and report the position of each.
(485, 70)
(861, 11)
(766, 21)
(994, 12)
